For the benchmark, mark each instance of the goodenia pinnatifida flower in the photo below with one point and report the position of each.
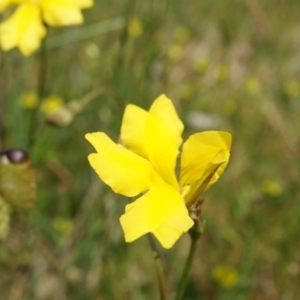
(144, 166)
(25, 28)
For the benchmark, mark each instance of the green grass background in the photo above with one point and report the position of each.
(236, 62)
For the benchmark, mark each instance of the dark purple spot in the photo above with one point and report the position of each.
(15, 156)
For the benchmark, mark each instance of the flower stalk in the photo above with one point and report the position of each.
(159, 268)
(42, 75)
(195, 233)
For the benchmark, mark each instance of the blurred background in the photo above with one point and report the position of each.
(227, 65)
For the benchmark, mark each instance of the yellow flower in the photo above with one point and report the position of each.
(175, 52)
(144, 164)
(221, 72)
(272, 187)
(181, 34)
(292, 88)
(25, 28)
(135, 28)
(201, 65)
(226, 276)
(253, 85)
(29, 100)
(51, 104)
(63, 226)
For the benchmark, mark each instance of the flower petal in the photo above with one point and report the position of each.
(125, 172)
(161, 211)
(203, 182)
(201, 153)
(61, 12)
(24, 29)
(155, 135)
(164, 112)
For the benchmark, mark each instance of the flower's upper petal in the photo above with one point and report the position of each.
(23, 29)
(201, 153)
(124, 171)
(161, 211)
(164, 112)
(62, 12)
(155, 135)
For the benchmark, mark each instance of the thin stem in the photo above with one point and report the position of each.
(40, 93)
(195, 234)
(3, 98)
(159, 269)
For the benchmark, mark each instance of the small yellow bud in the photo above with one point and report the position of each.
(29, 100)
(134, 28)
(225, 276)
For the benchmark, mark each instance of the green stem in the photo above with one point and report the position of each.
(195, 234)
(40, 93)
(159, 269)
(3, 97)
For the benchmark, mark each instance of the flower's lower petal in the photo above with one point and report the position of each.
(160, 211)
(155, 135)
(124, 171)
(24, 29)
(199, 150)
(61, 12)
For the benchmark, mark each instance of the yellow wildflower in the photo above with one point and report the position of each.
(181, 34)
(29, 100)
(201, 65)
(144, 164)
(51, 104)
(134, 28)
(253, 85)
(221, 72)
(25, 28)
(292, 88)
(272, 188)
(226, 276)
(175, 52)
(63, 226)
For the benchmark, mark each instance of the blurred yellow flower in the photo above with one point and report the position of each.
(92, 50)
(181, 34)
(25, 28)
(252, 85)
(144, 164)
(63, 226)
(221, 72)
(51, 104)
(201, 64)
(29, 100)
(292, 88)
(272, 188)
(134, 28)
(225, 276)
(175, 52)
